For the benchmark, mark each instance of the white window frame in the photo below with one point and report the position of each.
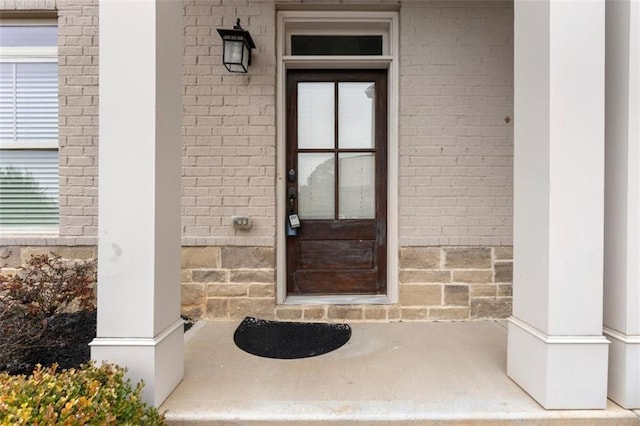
(25, 54)
(29, 54)
(314, 22)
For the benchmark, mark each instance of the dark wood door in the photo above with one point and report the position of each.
(337, 181)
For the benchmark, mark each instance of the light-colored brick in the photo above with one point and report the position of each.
(448, 313)
(471, 276)
(252, 276)
(200, 257)
(471, 258)
(288, 314)
(419, 258)
(247, 257)
(314, 313)
(420, 295)
(345, 312)
(425, 276)
(491, 308)
(192, 294)
(227, 290)
(375, 313)
(503, 272)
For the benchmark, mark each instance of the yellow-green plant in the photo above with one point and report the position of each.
(90, 395)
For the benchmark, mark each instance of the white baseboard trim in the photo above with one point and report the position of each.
(560, 372)
(158, 361)
(624, 369)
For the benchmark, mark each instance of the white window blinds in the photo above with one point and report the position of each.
(28, 188)
(28, 101)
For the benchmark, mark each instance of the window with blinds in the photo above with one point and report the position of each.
(28, 128)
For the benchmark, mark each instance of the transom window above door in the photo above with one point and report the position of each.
(338, 34)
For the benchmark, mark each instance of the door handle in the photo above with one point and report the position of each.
(291, 175)
(292, 193)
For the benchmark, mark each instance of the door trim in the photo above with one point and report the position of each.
(389, 62)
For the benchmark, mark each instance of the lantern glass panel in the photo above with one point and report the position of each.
(246, 54)
(233, 51)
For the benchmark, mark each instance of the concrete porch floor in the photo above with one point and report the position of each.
(393, 373)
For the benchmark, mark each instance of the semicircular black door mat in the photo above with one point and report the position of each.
(289, 340)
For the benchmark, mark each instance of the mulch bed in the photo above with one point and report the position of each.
(73, 332)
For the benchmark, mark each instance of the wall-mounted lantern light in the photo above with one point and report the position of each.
(237, 45)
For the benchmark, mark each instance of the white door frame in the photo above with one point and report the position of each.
(343, 22)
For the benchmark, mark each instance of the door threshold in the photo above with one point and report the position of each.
(343, 299)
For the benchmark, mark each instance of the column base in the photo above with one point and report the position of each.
(624, 369)
(159, 361)
(560, 372)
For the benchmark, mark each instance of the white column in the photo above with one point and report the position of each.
(139, 323)
(556, 351)
(622, 207)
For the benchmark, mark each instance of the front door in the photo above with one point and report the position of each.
(336, 182)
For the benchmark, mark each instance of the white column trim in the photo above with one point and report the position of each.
(624, 338)
(558, 340)
(137, 341)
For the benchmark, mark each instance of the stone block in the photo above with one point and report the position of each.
(505, 290)
(288, 314)
(28, 252)
(491, 308)
(425, 276)
(419, 258)
(248, 257)
(226, 290)
(253, 276)
(345, 312)
(468, 258)
(504, 272)
(10, 257)
(448, 314)
(209, 275)
(472, 276)
(192, 294)
(193, 312)
(253, 307)
(420, 295)
(414, 314)
(314, 313)
(394, 313)
(483, 290)
(503, 253)
(76, 252)
(262, 290)
(375, 312)
(185, 275)
(217, 309)
(456, 295)
(201, 257)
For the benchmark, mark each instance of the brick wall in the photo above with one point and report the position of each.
(456, 96)
(228, 127)
(456, 133)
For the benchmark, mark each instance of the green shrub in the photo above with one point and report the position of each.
(90, 395)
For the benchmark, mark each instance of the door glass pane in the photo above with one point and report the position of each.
(356, 114)
(316, 186)
(316, 105)
(357, 186)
